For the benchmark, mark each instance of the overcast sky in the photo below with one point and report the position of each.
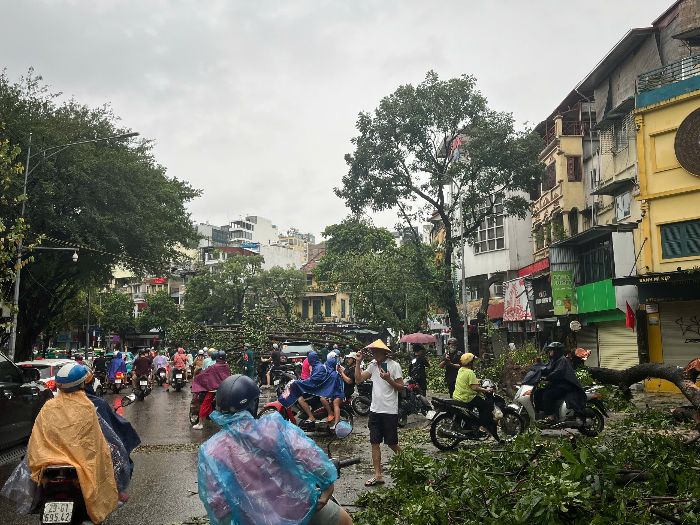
(255, 101)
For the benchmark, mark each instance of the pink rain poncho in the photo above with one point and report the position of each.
(261, 472)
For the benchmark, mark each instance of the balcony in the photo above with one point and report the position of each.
(669, 81)
(563, 128)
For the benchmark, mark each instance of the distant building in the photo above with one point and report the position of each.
(320, 304)
(253, 229)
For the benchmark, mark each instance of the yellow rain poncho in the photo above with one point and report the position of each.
(67, 432)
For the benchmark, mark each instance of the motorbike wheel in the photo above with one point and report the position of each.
(443, 421)
(511, 424)
(594, 423)
(346, 415)
(115, 389)
(360, 405)
(266, 412)
(178, 388)
(100, 391)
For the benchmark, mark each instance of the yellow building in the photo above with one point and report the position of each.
(318, 304)
(667, 119)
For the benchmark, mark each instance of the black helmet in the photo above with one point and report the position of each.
(236, 393)
(557, 347)
(221, 355)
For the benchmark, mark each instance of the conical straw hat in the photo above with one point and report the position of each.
(378, 344)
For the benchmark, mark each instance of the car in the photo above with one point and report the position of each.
(21, 398)
(47, 372)
(296, 351)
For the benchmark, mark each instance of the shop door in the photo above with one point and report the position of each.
(617, 345)
(587, 338)
(680, 332)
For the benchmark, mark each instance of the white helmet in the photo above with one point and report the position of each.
(275, 346)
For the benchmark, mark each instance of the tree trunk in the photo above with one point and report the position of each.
(449, 296)
(684, 380)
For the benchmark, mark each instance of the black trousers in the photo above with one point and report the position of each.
(485, 407)
(451, 385)
(549, 397)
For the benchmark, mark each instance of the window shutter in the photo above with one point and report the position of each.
(328, 307)
(672, 241)
(573, 169)
(692, 231)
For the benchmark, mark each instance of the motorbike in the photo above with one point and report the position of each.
(61, 499)
(119, 382)
(590, 423)
(411, 401)
(143, 389)
(362, 401)
(454, 421)
(291, 413)
(161, 376)
(178, 380)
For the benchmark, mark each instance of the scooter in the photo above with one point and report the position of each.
(143, 389)
(454, 421)
(119, 382)
(590, 423)
(161, 376)
(178, 379)
(362, 401)
(411, 401)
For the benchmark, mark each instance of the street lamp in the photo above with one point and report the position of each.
(52, 152)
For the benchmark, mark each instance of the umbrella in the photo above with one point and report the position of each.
(419, 338)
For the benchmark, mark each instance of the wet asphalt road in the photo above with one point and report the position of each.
(163, 489)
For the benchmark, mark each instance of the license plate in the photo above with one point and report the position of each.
(162, 374)
(430, 415)
(178, 376)
(117, 381)
(277, 382)
(143, 383)
(58, 512)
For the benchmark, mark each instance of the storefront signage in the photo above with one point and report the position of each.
(542, 292)
(536, 267)
(157, 280)
(563, 293)
(516, 304)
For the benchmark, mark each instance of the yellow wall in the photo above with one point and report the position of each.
(668, 193)
(335, 306)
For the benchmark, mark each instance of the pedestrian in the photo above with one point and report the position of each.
(450, 363)
(418, 369)
(387, 381)
(249, 361)
(347, 374)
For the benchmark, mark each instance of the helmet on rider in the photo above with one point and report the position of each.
(201, 352)
(220, 355)
(275, 346)
(237, 393)
(555, 349)
(71, 377)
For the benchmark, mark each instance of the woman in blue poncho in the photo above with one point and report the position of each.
(324, 382)
(117, 364)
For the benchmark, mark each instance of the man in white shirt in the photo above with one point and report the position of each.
(387, 381)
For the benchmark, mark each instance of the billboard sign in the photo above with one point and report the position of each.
(563, 292)
(516, 304)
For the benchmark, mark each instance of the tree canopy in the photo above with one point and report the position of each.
(429, 147)
(110, 199)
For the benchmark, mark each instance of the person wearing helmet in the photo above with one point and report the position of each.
(67, 432)
(562, 384)
(237, 464)
(207, 383)
(141, 368)
(468, 390)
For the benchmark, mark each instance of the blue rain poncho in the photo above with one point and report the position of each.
(261, 472)
(117, 364)
(322, 382)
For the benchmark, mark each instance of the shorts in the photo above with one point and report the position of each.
(383, 427)
(328, 515)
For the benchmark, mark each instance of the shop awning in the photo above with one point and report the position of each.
(595, 233)
(615, 186)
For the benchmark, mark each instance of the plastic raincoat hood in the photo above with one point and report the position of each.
(67, 432)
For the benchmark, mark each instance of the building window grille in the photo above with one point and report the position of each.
(491, 233)
(596, 264)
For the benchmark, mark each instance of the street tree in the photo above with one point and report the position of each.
(160, 313)
(426, 149)
(285, 286)
(118, 315)
(112, 200)
(219, 297)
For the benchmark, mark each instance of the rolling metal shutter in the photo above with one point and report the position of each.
(680, 332)
(617, 345)
(587, 338)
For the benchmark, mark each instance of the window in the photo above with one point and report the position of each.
(342, 308)
(309, 279)
(328, 308)
(317, 309)
(490, 235)
(573, 169)
(681, 239)
(304, 309)
(498, 289)
(9, 373)
(549, 179)
(596, 263)
(622, 206)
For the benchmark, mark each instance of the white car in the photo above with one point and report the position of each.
(48, 369)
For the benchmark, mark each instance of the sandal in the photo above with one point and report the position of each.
(374, 482)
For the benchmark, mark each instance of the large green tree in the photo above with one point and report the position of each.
(391, 286)
(284, 287)
(160, 313)
(423, 140)
(110, 199)
(118, 315)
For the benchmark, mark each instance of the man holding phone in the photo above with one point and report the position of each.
(387, 381)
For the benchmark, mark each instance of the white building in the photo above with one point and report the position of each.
(253, 229)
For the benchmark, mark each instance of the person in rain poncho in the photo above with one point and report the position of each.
(263, 471)
(67, 432)
(322, 383)
(179, 363)
(209, 360)
(207, 383)
(117, 364)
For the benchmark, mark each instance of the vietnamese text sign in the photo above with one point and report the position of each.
(563, 293)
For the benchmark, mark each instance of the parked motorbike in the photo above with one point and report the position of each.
(119, 382)
(291, 413)
(143, 389)
(411, 401)
(590, 423)
(161, 376)
(178, 380)
(454, 422)
(362, 401)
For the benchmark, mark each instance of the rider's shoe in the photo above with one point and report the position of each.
(198, 426)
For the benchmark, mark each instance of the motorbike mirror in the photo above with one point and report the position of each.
(343, 429)
(127, 400)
